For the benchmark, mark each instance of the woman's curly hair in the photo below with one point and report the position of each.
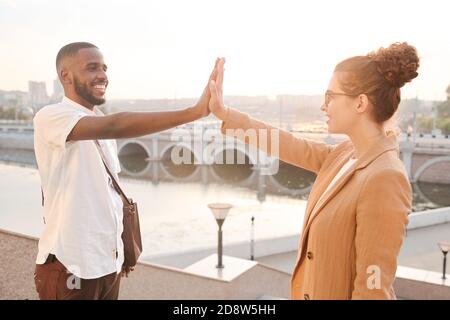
(380, 74)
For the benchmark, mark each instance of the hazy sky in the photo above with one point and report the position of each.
(166, 48)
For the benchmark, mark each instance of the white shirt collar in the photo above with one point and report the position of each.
(69, 101)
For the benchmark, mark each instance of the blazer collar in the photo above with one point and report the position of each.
(385, 143)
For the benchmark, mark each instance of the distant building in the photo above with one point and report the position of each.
(13, 99)
(11, 103)
(58, 91)
(37, 94)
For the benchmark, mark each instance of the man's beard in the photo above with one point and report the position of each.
(83, 91)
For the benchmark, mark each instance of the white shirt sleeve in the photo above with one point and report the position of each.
(55, 122)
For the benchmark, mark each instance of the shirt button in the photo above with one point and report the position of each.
(306, 296)
(309, 255)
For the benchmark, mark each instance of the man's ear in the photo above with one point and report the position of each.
(362, 103)
(65, 76)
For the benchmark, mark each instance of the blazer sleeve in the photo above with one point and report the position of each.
(300, 152)
(381, 219)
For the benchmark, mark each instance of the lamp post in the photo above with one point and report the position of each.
(445, 247)
(220, 212)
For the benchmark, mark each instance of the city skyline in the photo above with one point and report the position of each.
(166, 50)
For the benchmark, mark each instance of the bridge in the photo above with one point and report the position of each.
(153, 157)
(426, 159)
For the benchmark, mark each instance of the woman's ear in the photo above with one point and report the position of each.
(362, 103)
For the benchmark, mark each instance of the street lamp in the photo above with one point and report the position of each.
(445, 247)
(220, 212)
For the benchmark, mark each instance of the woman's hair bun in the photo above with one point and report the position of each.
(398, 63)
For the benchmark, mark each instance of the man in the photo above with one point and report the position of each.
(81, 251)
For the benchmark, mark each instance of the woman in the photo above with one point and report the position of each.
(358, 208)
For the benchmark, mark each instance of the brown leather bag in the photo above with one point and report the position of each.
(131, 236)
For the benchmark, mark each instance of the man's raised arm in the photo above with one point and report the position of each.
(135, 124)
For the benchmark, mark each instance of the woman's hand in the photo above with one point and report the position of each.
(216, 105)
(201, 108)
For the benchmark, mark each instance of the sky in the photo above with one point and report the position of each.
(167, 48)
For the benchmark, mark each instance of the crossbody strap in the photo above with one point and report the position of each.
(115, 183)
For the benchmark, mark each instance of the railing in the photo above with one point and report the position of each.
(16, 122)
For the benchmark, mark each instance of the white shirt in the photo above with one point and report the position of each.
(344, 168)
(82, 211)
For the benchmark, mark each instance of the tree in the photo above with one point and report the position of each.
(7, 113)
(443, 109)
(424, 123)
(444, 125)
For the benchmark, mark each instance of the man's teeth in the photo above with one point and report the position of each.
(100, 86)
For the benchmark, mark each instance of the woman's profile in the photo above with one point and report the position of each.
(357, 211)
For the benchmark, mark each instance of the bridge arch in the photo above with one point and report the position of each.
(428, 164)
(134, 157)
(291, 180)
(233, 172)
(179, 172)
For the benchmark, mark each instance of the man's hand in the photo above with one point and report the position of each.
(126, 271)
(216, 105)
(201, 107)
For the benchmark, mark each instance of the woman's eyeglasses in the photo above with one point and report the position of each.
(330, 94)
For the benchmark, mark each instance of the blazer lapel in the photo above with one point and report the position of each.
(384, 144)
(333, 190)
(322, 184)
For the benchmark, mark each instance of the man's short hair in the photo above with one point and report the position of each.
(70, 50)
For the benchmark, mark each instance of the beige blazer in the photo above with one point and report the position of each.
(351, 239)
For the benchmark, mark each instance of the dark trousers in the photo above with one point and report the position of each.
(54, 282)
